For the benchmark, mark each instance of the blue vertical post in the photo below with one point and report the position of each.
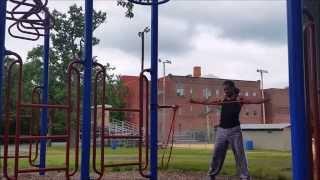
(300, 148)
(86, 126)
(45, 84)
(154, 91)
(3, 7)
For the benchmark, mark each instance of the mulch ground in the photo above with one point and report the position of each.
(130, 175)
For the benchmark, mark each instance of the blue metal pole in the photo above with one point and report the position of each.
(86, 126)
(3, 7)
(300, 148)
(45, 84)
(154, 92)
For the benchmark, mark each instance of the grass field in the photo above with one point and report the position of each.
(262, 164)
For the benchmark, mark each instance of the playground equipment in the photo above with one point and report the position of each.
(18, 137)
(312, 85)
(170, 138)
(143, 111)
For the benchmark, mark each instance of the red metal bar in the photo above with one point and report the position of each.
(35, 92)
(311, 71)
(70, 69)
(41, 169)
(143, 79)
(7, 113)
(53, 106)
(53, 137)
(122, 164)
(68, 128)
(170, 137)
(20, 156)
(123, 109)
(122, 137)
(95, 102)
(18, 125)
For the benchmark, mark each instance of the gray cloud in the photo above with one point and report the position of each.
(262, 21)
(120, 32)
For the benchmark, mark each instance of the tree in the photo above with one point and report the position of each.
(67, 37)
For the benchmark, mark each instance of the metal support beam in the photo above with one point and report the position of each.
(86, 116)
(300, 149)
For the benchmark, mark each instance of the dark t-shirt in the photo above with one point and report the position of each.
(229, 117)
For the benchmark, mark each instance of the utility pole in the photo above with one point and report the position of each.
(262, 71)
(141, 35)
(164, 62)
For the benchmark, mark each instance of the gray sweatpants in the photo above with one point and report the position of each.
(232, 137)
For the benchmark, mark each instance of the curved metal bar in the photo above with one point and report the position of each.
(147, 123)
(77, 114)
(7, 116)
(147, 2)
(21, 37)
(71, 67)
(143, 79)
(35, 92)
(24, 24)
(96, 79)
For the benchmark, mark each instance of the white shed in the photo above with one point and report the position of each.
(268, 136)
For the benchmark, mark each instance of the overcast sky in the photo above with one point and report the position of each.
(228, 39)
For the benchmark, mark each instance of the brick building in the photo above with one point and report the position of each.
(132, 98)
(277, 109)
(198, 118)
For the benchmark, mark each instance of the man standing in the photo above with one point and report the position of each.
(229, 131)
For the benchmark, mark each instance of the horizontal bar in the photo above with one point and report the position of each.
(45, 106)
(122, 164)
(11, 136)
(122, 109)
(166, 106)
(122, 137)
(55, 137)
(1, 157)
(41, 169)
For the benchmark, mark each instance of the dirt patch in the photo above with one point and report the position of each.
(130, 175)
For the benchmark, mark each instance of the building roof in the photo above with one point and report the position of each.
(280, 126)
(207, 78)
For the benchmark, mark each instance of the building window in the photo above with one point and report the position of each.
(180, 90)
(217, 113)
(254, 94)
(206, 93)
(191, 108)
(254, 113)
(283, 110)
(247, 113)
(206, 109)
(191, 91)
(217, 92)
(246, 93)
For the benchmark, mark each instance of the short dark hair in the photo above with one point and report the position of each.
(229, 83)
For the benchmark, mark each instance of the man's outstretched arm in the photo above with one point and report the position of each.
(206, 102)
(253, 101)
